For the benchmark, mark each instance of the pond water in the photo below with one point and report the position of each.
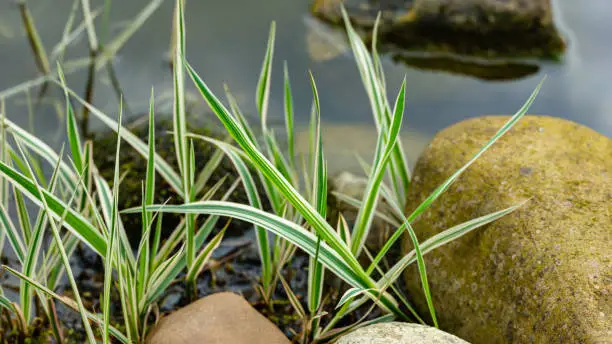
(226, 43)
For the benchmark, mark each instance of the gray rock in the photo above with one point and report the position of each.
(399, 333)
(220, 318)
(542, 274)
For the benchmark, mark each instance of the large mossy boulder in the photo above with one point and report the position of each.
(487, 28)
(541, 274)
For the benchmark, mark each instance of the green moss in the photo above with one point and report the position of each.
(541, 274)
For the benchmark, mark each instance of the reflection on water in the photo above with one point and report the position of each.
(226, 42)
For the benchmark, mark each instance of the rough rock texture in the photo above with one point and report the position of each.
(399, 333)
(216, 319)
(540, 275)
(470, 27)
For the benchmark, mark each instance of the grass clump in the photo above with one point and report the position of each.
(78, 205)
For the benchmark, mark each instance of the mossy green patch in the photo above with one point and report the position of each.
(541, 274)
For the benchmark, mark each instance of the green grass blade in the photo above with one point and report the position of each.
(72, 127)
(293, 299)
(288, 102)
(75, 222)
(110, 249)
(263, 85)
(271, 173)
(250, 188)
(319, 192)
(371, 195)
(14, 238)
(65, 259)
(422, 273)
(504, 129)
(161, 166)
(66, 301)
(204, 255)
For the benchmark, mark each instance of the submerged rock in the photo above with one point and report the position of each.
(541, 274)
(488, 28)
(216, 319)
(399, 333)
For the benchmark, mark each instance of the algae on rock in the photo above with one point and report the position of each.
(540, 274)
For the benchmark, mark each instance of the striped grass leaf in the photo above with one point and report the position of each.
(264, 166)
(110, 248)
(293, 299)
(343, 229)
(13, 235)
(161, 166)
(43, 150)
(66, 301)
(180, 133)
(159, 283)
(263, 85)
(376, 90)
(438, 240)
(13, 307)
(250, 189)
(79, 157)
(332, 335)
(233, 103)
(291, 232)
(277, 157)
(106, 198)
(448, 182)
(422, 273)
(316, 271)
(288, 107)
(147, 199)
(204, 255)
(62, 251)
(34, 246)
(53, 269)
(443, 238)
(350, 294)
(279, 226)
(72, 128)
(75, 222)
(504, 129)
(367, 211)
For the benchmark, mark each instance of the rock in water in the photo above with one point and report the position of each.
(489, 28)
(399, 333)
(540, 275)
(216, 319)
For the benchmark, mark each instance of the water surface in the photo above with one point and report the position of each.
(226, 42)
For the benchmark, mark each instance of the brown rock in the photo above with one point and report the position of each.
(542, 274)
(221, 318)
(488, 28)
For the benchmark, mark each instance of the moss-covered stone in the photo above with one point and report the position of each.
(488, 28)
(540, 275)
